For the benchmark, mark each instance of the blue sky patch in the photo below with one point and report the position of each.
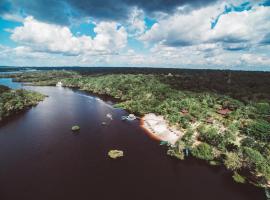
(6, 25)
(266, 3)
(84, 29)
(149, 22)
(136, 45)
(231, 8)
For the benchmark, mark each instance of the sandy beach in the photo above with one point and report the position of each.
(158, 128)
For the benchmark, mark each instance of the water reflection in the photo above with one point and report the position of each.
(8, 82)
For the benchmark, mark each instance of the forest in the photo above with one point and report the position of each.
(226, 120)
(14, 101)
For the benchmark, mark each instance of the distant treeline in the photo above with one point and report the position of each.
(242, 85)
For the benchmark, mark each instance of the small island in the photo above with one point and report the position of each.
(75, 128)
(114, 154)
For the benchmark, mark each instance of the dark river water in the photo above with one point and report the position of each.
(41, 159)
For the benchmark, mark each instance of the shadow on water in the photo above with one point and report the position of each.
(41, 159)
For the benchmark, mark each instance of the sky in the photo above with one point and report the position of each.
(212, 34)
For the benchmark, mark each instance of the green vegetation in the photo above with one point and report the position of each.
(232, 161)
(177, 150)
(259, 130)
(231, 129)
(238, 178)
(257, 162)
(48, 78)
(114, 154)
(14, 101)
(203, 151)
(214, 163)
(75, 128)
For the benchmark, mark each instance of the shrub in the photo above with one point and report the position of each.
(256, 161)
(253, 157)
(187, 138)
(238, 178)
(203, 151)
(252, 143)
(177, 150)
(214, 163)
(263, 108)
(210, 135)
(259, 129)
(231, 104)
(232, 161)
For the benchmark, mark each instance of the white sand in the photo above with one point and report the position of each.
(158, 127)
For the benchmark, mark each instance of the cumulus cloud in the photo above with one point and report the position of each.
(135, 23)
(253, 59)
(110, 37)
(180, 29)
(23, 55)
(44, 37)
(185, 33)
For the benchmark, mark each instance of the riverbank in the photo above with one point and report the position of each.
(41, 142)
(209, 132)
(15, 101)
(159, 129)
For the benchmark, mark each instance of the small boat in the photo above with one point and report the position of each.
(109, 115)
(130, 117)
(59, 84)
(163, 143)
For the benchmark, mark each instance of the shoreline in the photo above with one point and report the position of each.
(157, 127)
(154, 125)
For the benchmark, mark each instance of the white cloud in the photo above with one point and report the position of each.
(252, 59)
(182, 39)
(52, 38)
(110, 36)
(181, 29)
(186, 38)
(135, 23)
(250, 26)
(160, 56)
(12, 17)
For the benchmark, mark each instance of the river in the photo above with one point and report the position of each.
(41, 159)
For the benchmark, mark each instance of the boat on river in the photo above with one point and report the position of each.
(59, 84)
(130, 117)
